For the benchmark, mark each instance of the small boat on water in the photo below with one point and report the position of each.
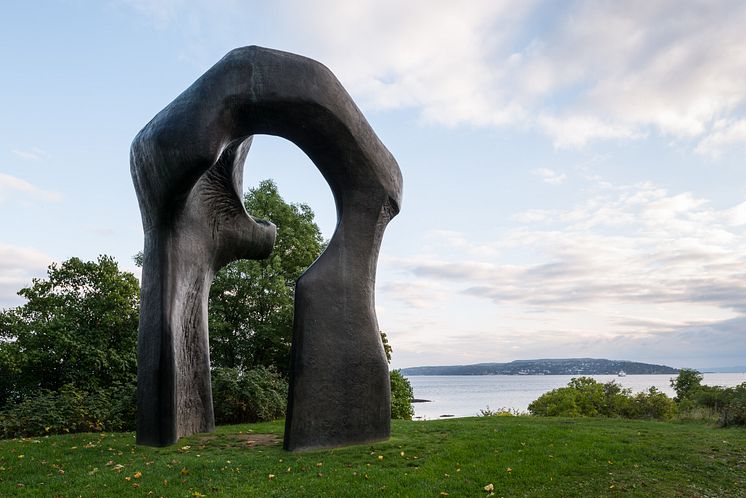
(622, 373)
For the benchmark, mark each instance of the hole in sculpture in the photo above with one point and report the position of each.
(251, 302)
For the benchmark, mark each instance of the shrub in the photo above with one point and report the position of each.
(734, 410)
(652, 404)
(70, 409)
(500, 412)
(727, 405)
(556, 403)
(585, 397)
(715, 397)
(248, 396)
(401, 396)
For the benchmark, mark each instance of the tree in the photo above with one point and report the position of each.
(251, 302)
(686, 383)
(78, 327)
(401, 389)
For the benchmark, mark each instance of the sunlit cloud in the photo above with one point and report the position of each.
(13, 185)
(549, 176)
(631, 264)
(593, 71)
(32, 154)
(18, 265)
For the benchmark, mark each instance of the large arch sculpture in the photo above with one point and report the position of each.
(187, 168)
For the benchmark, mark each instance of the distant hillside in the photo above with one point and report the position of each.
(569, 366)
(723, 370)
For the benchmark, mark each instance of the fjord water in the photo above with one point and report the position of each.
(466, 395)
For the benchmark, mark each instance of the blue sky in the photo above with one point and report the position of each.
(574, 177)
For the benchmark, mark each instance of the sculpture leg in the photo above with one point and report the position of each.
(340, 391)
(183, 251)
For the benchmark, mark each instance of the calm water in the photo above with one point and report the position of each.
(465, 395)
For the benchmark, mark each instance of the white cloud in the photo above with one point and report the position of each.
(11, 184)
(32, 154)
(575, 131)
(722, 136)
(18, 265)
(593, 71)
(549, 176)
(626, 268)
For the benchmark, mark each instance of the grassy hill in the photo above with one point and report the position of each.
(516, 456)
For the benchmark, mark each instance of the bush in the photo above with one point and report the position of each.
(585, 397)
(401, 396)
(248, 396)
(726, 405)
(500, 412)
(734, 409)
(70, 410)
(651, 404)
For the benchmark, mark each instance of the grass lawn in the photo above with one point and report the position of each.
(518, 456)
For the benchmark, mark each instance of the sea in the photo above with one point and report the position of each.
(465, 395)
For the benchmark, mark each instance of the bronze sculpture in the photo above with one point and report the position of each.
(187, 167)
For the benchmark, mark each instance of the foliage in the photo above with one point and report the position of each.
(585, 397)
(519, 456)
(686, 383)
(401, 390)
(734, 412)
(77, 328)
(251, 302)
(70, 409)
(500, 412)
(727, 405)
(401, 396)
(651, 404)
(386, 346)
(255, 395)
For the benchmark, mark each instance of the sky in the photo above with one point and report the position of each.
(574, 178)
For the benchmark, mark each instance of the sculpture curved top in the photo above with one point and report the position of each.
(187, 167)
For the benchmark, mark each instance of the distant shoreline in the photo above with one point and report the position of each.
(547, 366)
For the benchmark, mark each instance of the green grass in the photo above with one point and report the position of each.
(519, 456)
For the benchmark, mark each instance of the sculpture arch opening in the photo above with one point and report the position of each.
(187, 166)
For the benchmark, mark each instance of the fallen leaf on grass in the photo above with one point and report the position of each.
(489, 487)
(137, 475)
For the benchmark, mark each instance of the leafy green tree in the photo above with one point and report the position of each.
(251, 302)
(686, 383)
(78, 327)
(401, 390)
(401, 396)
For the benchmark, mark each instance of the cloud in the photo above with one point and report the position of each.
(32, 154)
(10, 184)
(722, 136)
(583, 72)
(549, 176)
(575, 131)
(629, 267)
(18, 265)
